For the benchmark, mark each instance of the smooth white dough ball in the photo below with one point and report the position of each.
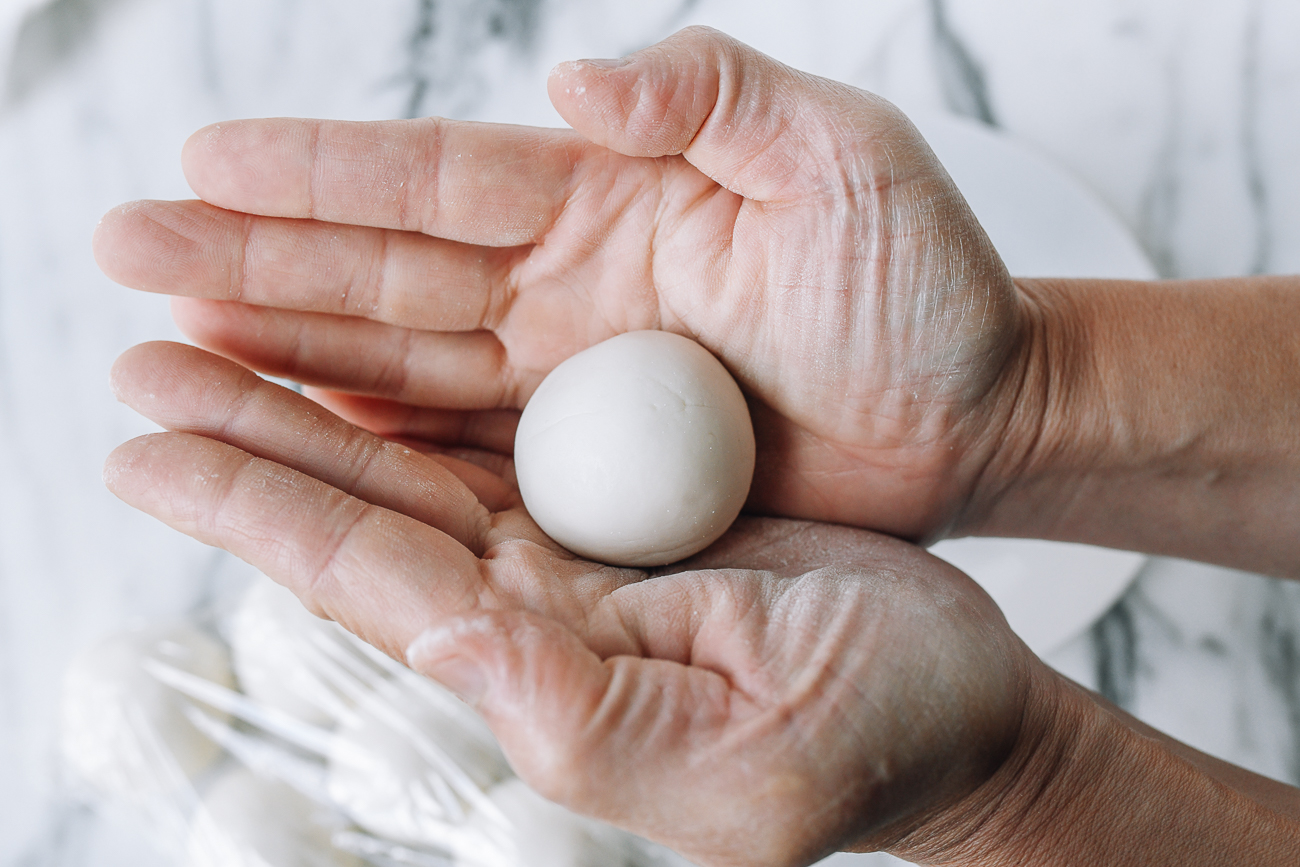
(638, 451)
(124, 731)
(251, 821)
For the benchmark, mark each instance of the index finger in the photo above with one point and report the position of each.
(489, 184)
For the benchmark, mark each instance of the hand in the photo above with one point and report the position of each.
(798, 688)
(428, 274)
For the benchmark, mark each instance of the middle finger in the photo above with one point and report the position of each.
(458, 371)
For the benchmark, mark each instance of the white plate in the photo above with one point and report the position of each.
(1044, 223)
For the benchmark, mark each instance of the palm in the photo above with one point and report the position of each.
(711, 693)
(768, 288)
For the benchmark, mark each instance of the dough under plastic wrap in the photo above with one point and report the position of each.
(123, 731)
(270, 642)
(384, 767)
(544, 834)
(246, 820)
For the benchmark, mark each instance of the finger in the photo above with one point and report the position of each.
(382, 575)
(490, 479)
(606, 737)
(478, 183)
(459, 371)
(500, 468)
(490, 430)
(757, 127)
(404, 278)
(187, 389)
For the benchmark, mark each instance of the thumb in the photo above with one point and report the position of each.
(755, 126)
(595, 735)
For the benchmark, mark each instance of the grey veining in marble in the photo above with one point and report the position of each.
(965, 92)
(1183, 117)
(447, 37)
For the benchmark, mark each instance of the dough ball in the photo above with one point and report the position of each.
(124, 731)
(270, 645)
(636, 452)
(379, 776)
(544, 834)
(248, 820)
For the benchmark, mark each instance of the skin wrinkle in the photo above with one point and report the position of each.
(608, 618)
(430, 208)
(567, 763)
(808, 283)
(677, 318)
(217, 516)
(731, 624)
(792, 174)
(395, 374)
(480, 530)
(238, 268)
(380, 282)
(509, 382)
(740, 316)
(664, 725)
(502, 288)
(172, 255)
(572, 185)
(722, 103)
(315, 167)
(817, 671)
(884, 307)
(614, 316)
(250, 476)
(723, 89)
(652, 241)
(705, 122)
(333, 553)
(507, 559)
(1029, 430)
(364, 451)
(659, 111)
(240, 403)
(1021, 810)
(541, 224)
(296, 349)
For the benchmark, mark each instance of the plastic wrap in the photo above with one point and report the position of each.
(271, 738)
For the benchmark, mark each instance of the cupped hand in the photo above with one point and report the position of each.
(795, 689)
(427, 274)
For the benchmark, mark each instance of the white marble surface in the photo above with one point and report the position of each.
(1184, 117)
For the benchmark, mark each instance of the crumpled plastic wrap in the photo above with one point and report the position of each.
(271, 738)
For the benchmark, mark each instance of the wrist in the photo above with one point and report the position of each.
(1155, 417)
(987, 824)
(1019, 416)
(1086, 784)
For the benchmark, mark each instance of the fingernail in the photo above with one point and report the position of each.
(607, 63)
